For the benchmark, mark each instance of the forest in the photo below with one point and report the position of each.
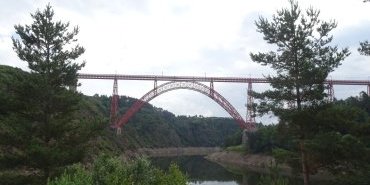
(344, 122)
(52, 134)
(151, 127)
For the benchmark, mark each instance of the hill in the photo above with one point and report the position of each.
(150, 127)
(155, 127)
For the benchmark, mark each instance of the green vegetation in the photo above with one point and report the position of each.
(364, 48)
(46, 125)
(238, 148)
(41, 130)
(113, 171)
(343, 125)
(339, 141)
(312, 133)
(51, 134)
(303, 59)
(151, 127)
(155, 127)
(274, 178)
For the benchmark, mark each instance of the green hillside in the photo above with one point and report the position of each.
(150, 127)
(155, 127)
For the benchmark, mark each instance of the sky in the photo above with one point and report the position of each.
(184, 37)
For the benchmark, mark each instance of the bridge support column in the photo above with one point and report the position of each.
(331, 92)
(155, 87)
(245, 137)
(114, 104)
(211, 89)
(119, 131)
(368, 90)
(250, 119)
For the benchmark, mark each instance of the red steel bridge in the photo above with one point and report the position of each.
(194, 83)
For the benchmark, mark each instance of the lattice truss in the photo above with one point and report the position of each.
(195, 86)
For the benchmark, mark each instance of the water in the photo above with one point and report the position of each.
(201, 171)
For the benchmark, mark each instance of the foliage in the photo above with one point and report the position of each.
(263, 140)
(302, 61)
(237, 148)
(340, 144)
(274, 177)
(15, 135)
(113, 171)
(155, 127)
(41, 128)
(74, 175)
(235, 139)
(22, 150)
(43, 45)
(364, 48)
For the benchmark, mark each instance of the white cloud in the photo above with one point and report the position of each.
(183, 37)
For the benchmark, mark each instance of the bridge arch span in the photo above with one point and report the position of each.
(195, 86)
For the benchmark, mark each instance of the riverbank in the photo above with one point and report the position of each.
(239, 162)
(174, 151)
(246, 162)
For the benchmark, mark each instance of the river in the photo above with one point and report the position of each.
(203, 172)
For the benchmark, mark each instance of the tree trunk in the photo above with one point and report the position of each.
(305, 172)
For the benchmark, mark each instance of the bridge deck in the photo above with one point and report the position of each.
(202, 79)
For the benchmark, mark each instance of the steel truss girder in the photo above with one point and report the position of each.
(191, 85)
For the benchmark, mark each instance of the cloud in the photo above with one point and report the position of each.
(183, 37)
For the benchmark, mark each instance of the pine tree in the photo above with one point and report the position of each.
(302, 61)
(364, 48)
(50, 134)
(43, 45)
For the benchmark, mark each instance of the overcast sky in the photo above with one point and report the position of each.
(184, 37)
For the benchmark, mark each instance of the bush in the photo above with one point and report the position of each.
(113, 171)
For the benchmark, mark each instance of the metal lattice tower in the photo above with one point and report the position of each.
(331, 96)
(250, 119)
(114, 104)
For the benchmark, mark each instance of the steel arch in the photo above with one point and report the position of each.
(195, 86)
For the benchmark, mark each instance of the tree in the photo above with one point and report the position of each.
(364, 48)
(48, 129)
(43, 45)
(303, 59)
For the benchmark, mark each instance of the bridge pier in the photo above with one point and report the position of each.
(331, 91)
(245, 137)
(155, 87)
(114, 105)
(119, 131)
(211, 89)
(250, 117)
(368, 90)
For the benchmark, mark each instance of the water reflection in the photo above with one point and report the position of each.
(203, 172)
(200, 171)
